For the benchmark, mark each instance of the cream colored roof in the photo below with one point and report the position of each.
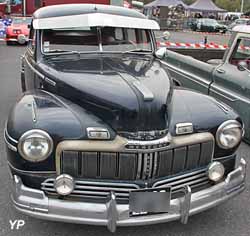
(94, 19)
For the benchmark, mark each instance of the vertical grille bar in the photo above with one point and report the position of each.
(165, 163)
(70, 163)
(89, 164)
(127, 167)
(139, 166)
(179, 159)
(193, 156)
(107, 165)
(206, 153)
(156, 164)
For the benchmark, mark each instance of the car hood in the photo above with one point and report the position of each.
(128, 93)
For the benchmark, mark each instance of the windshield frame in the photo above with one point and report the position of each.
(100, 51)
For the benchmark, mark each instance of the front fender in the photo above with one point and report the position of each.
(204, 112)
(62, 119)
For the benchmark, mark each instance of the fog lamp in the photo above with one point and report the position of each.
(64, 184)
(216, 171)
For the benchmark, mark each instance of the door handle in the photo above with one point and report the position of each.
(221, 71)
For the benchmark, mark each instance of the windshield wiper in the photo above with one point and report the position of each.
(138, 50)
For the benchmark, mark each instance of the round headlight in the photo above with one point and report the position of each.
(229, 134)
(64, 184)
(216, 171)
(35, 145)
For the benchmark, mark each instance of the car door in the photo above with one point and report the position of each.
(231, 83)
(32, 78)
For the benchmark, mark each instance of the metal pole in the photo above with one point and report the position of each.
(24, 8)
(242, 6)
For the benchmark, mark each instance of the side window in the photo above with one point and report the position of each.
(241, 52)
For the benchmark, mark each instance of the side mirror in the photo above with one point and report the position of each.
(166, 35)
(29, 26)
(161, 53)
(242, 66)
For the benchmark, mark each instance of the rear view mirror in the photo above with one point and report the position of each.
(165, 35)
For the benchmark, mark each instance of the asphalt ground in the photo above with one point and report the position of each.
(230, 218)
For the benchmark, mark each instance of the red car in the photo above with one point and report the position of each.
(18, 31)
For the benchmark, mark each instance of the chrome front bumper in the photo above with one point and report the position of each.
(35, 203)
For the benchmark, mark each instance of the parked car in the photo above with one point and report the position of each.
(242, 21)
(18, 31)
(208, 25)
(224, 76)
(102, 136)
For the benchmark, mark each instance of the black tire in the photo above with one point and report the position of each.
(9, 43)
(23, 85)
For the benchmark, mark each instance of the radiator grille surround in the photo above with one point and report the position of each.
(130, 165)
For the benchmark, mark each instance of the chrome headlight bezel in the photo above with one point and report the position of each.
(226, 126)
(35, 134)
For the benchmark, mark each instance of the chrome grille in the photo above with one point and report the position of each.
(93, 189)
(133, 165)
(100, 190)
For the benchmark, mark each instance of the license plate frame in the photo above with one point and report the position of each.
(154, 200)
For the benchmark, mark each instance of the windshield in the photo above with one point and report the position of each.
(23, 20)
(93, 39)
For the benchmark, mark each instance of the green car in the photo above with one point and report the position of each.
(226, 78)
(208, 25)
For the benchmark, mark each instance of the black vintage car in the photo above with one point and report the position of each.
(208, 25)
(102, 136)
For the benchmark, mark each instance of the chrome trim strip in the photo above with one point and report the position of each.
(33, 110)
(164, 140)
(9, 145)
(8, 136)
(219, 91)
(147, 94)
(33, 69)
(155, 163)
(29, 172)
(51, 82)
(139, 166)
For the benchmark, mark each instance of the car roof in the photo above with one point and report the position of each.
(77, 9)
(242, 28)
(90, 15)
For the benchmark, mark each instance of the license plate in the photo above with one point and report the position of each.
(150, 200)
